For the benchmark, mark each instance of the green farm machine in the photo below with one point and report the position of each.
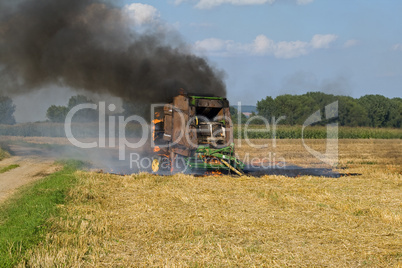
(194, 134)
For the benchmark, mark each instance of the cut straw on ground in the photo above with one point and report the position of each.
(184, 221)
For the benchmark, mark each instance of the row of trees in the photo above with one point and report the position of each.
(54, 113)
(58, 113)
(369, 110)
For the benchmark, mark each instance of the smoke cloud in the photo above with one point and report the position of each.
(97, 47)
(299, 82)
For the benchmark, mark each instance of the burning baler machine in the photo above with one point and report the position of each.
(194, 134)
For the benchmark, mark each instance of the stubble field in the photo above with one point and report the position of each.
(187, 221)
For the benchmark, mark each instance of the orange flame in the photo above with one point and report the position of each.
(154, 122)
(210, 160)
(213, 173)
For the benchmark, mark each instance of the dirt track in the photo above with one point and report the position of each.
(34, 165)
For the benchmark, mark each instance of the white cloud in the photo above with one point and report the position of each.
(351, 43)
(322, 41)
(142, 13)
(293, 49)
(263, 46)
(397, 47)
(210, 44)
(207, 4)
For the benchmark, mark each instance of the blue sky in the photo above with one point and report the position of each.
(273, 47)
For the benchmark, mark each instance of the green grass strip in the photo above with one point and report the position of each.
(10, 167)
(23, 219)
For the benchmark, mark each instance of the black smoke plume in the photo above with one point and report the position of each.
(94, 46)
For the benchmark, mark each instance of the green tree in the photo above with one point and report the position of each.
(84, 115)
(57, 114)
(351, 113)
(234, 113)
(395, 113)
(76, 100)
(369, 110)
(307, 105)
(266, 107)
(378, 109)
(296, 108)
(292, 107)
(321, 99)
(7, 109)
